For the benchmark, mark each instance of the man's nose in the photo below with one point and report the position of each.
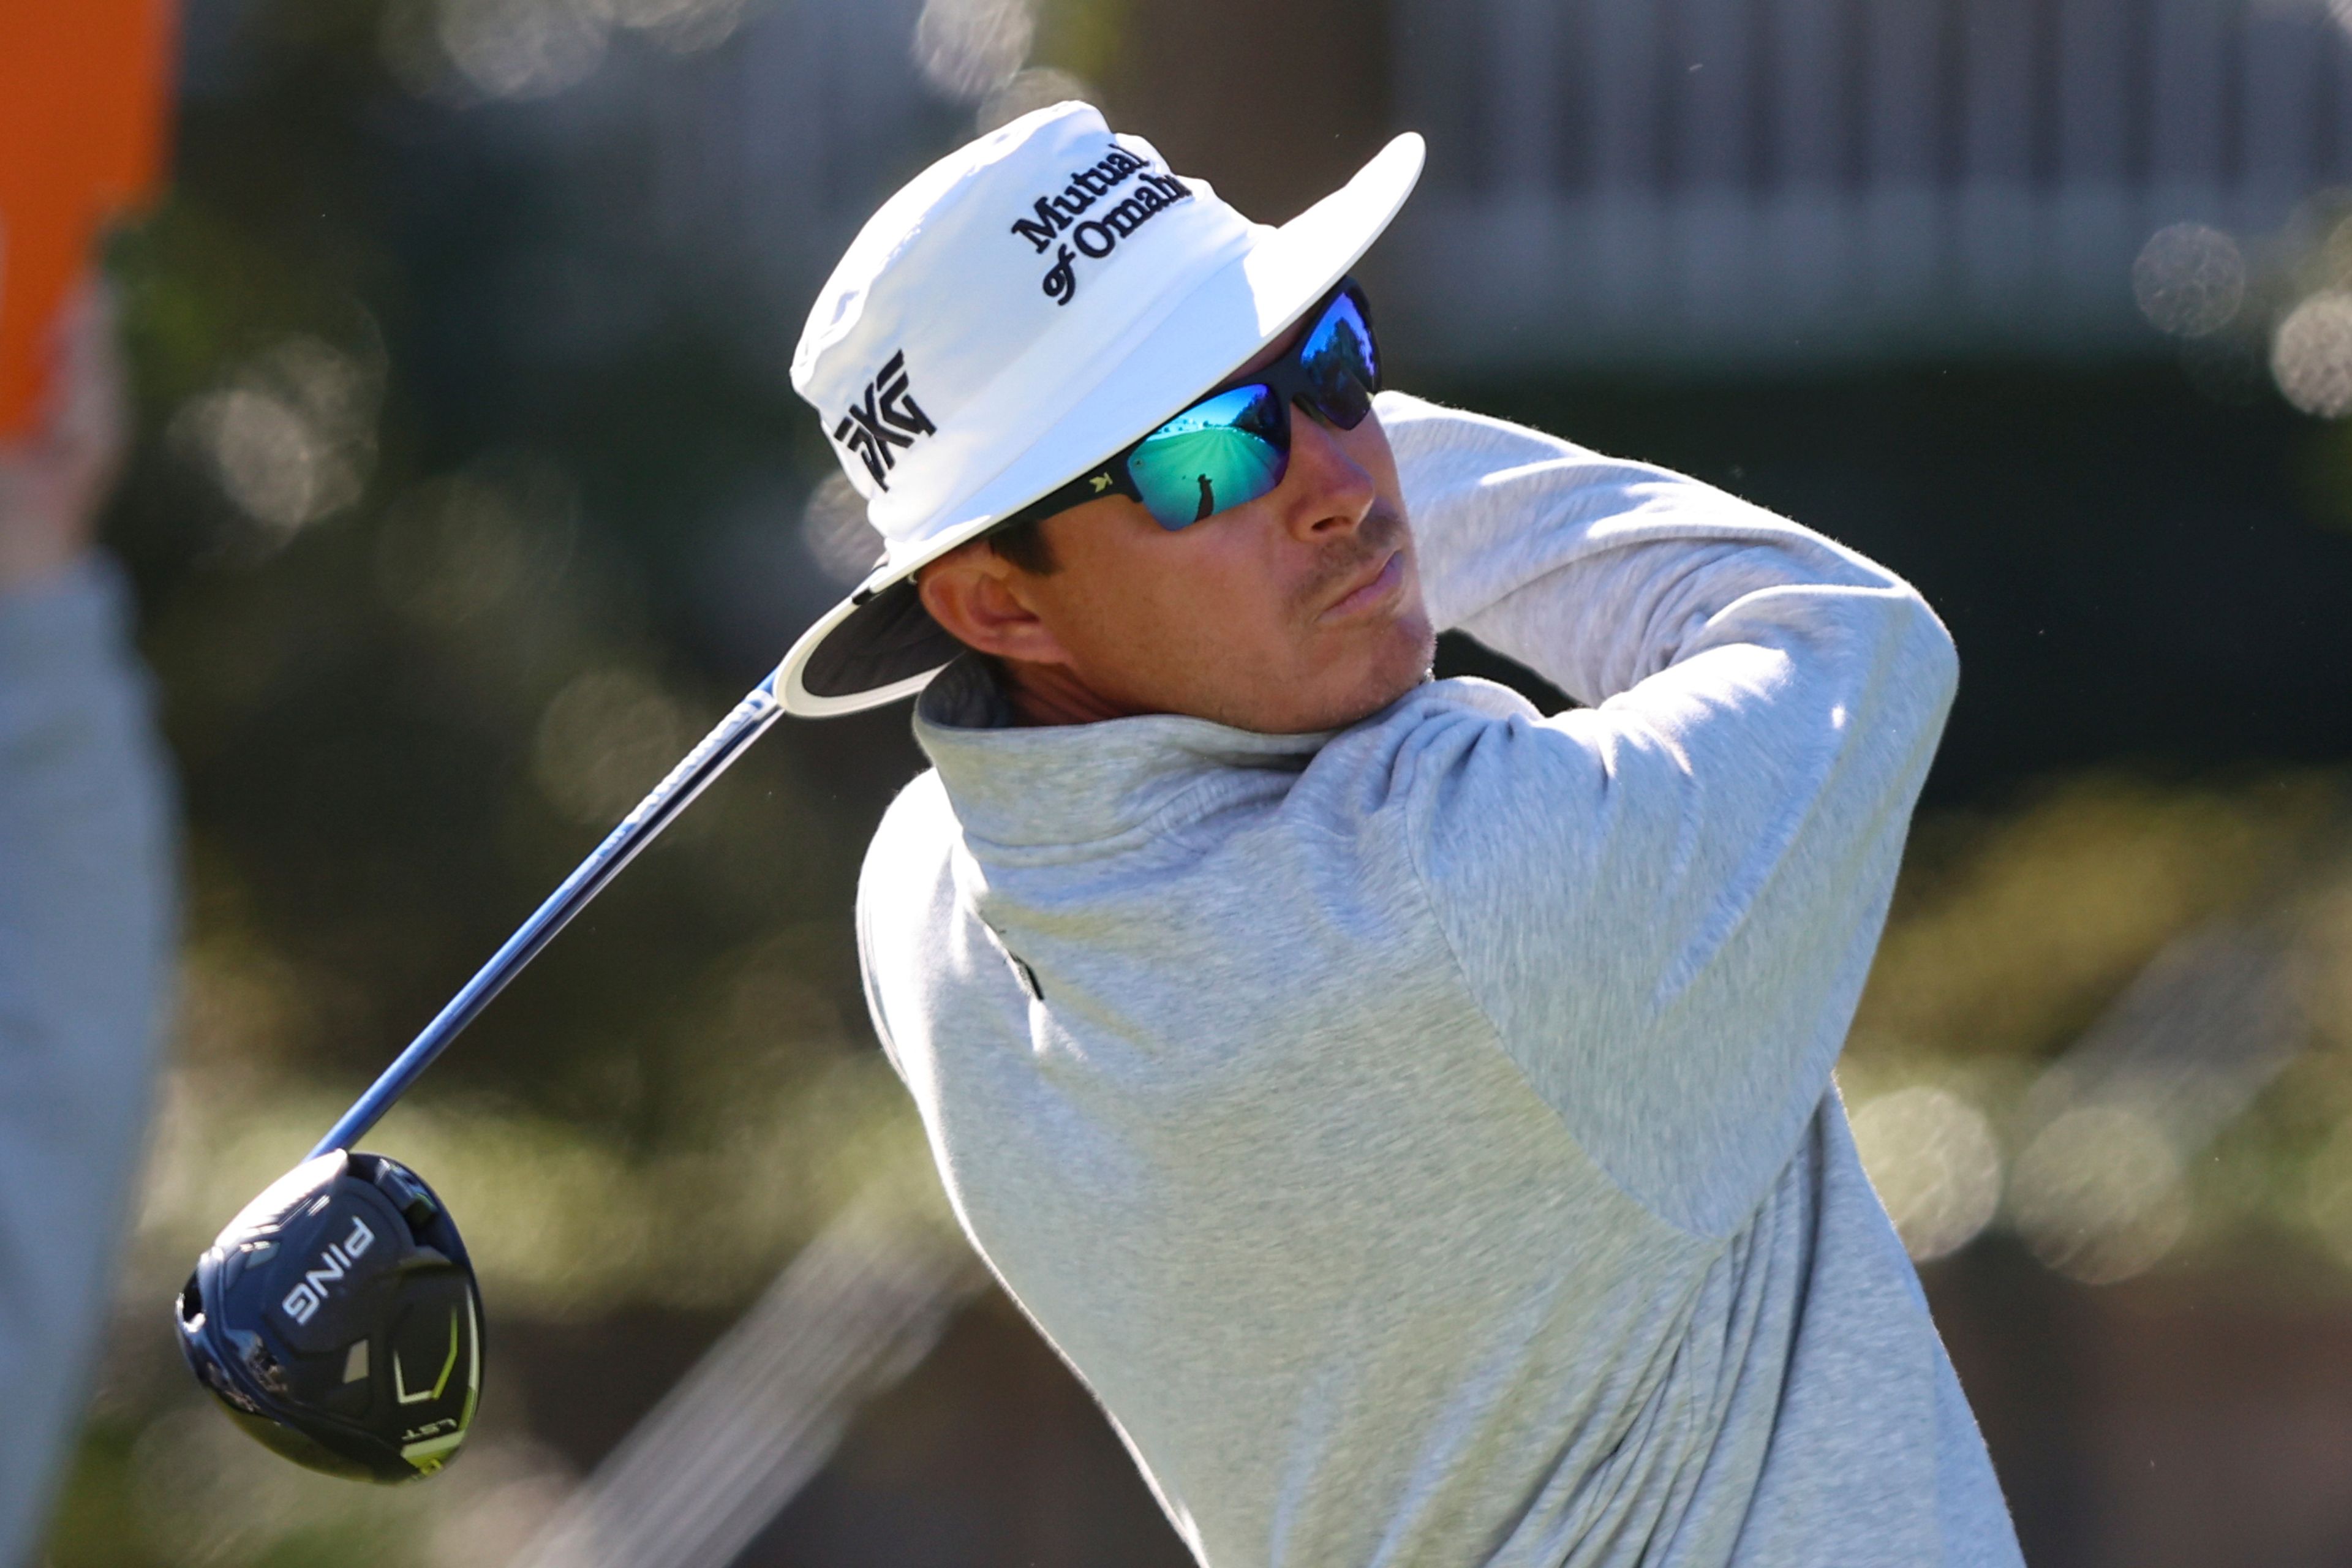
(1330, 492)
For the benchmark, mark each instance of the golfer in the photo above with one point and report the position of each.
(1410, 1114)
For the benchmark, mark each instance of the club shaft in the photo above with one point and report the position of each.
(732, 737)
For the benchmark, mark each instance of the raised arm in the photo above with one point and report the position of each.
(1667, 901)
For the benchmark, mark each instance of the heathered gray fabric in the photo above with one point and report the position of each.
(85, 936)
(1420, 1138)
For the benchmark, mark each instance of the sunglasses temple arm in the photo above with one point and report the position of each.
(732, 737)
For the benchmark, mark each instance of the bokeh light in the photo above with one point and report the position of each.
(522, 49)
(291, 437)
(456, 548)
(2311, 354)
(1037, 87)
(682, 26)
(2328, 1193)
(1932, 1157)
(971, 49)
(836, 533)
(2190, 279)
(2097, 1193)
(608, 737)
(464, 51)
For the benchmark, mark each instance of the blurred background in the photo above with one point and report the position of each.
(469, 491)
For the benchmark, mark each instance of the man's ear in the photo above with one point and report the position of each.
(983, 602)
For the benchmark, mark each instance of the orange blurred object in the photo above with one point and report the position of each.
(84, 99)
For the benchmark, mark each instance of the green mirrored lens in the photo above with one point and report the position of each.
(1224, 451)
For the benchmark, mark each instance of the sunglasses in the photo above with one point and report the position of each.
(1234, 445)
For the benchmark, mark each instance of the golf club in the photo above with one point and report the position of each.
(332, 1315)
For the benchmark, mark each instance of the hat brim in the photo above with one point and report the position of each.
(879, 644)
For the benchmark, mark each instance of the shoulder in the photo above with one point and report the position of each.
(1404, 752)
(1487, 804)
(905, 902)
(908, 856)
(917, 814)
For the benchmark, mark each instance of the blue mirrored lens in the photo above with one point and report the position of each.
(1342, 364)
(1224, 451)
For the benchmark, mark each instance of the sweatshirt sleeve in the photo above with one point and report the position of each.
(1667, 901)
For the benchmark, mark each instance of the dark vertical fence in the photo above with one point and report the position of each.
(1787, 180)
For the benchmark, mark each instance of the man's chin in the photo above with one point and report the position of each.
(1392, 673)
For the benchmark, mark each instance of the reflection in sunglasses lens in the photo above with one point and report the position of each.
(1341, 364)
(1221, 453)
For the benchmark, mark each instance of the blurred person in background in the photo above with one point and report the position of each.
(85, 909)
(1410, 1114)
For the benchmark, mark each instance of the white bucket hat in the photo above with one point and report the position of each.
(1027, 306)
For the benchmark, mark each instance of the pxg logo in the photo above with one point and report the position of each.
(887, 418)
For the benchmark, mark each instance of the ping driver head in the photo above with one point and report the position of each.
(338, 1319)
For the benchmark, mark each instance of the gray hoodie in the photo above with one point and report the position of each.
(1421, 1137)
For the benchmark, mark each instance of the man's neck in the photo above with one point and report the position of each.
(1051, 694)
